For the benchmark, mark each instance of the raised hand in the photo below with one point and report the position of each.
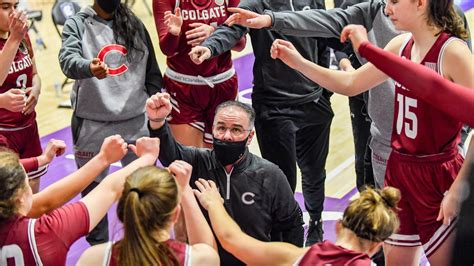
(18, 25)
(174, 21)
(113, 148)
(356, 33)
(98, 68)
(248, 18)
(158, 107)
(199, 53)
(54, 148)
(32, 99)
(182, 172)
(147, 147)
(286, 52)
(200, 32)
(13, 100)
(208, 195)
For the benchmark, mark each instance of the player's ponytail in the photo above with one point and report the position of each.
(441, 14)
(149, 200)
(127, 28)
(373, 216)
(12, 181)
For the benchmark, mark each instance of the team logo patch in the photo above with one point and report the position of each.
(219, 2)
(113, 48)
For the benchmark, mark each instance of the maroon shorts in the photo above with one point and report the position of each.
(422, 181)
(26, 143)
(196, 104)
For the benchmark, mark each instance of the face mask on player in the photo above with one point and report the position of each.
(109, 6)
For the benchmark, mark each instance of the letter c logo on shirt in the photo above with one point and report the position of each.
(247, 198)
(111, 48)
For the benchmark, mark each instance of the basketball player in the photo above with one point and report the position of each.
(195, 90)
(150, 204)
(420, 80)
(421, 153)
(108, 50)
(19, 91)
(47, 239)
(366, 223)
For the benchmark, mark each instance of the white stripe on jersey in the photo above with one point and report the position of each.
(32, 240)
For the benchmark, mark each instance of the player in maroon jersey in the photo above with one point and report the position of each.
(195, 90)
(425, 159)
(366, 223)
(47, 239)
(149, 206)
(423, 82)
(19, 91)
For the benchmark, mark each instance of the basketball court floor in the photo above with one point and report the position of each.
(54, 122)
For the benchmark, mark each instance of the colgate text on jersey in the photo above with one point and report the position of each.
(20, 65)
(215, 12)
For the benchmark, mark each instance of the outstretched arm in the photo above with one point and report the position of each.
(346, 83)
(62, 191)
(246, 248)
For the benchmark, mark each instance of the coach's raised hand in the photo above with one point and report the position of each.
(158, 107)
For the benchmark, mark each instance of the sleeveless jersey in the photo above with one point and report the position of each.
(19, 76)
(43, 241)
(211, 12)
(327, 253)
(419, 128)
(182, 252)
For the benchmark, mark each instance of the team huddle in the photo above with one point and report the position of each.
(406, 66)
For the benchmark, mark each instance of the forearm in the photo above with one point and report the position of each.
(72, 63)
(170, 149)
(423, 82)
(337, 81)
(224, 38)
(196, 225)
(461, 179)
(225, 228)
(7, 56)
(62, 191)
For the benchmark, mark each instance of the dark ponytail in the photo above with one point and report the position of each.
(127, 32)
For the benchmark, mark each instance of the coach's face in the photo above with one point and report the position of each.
(232, 124)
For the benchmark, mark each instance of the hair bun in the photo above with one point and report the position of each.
(391, 196)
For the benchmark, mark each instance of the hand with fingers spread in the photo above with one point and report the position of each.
(199, 33)
(182, 172)
(113, 149)
(98, 68)
(208, 194)
(174, 21)
(286, 52)
(356, 33)
(13, 100)
(54, 148)
(199, 53)
(449, 208)
(31, 100)
(147, 147)
(18, 25)
(158, 107)
(248, 18)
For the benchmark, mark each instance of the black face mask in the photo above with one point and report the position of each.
(109, 6)
(228, 152)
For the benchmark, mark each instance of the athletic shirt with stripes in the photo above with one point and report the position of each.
(419, 128)
(43, 241)
(20, 75)
(182, 252)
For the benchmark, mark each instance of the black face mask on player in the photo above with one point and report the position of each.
(109, 6)
(229, 152)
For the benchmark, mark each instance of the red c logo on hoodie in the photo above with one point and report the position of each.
(110, 49)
